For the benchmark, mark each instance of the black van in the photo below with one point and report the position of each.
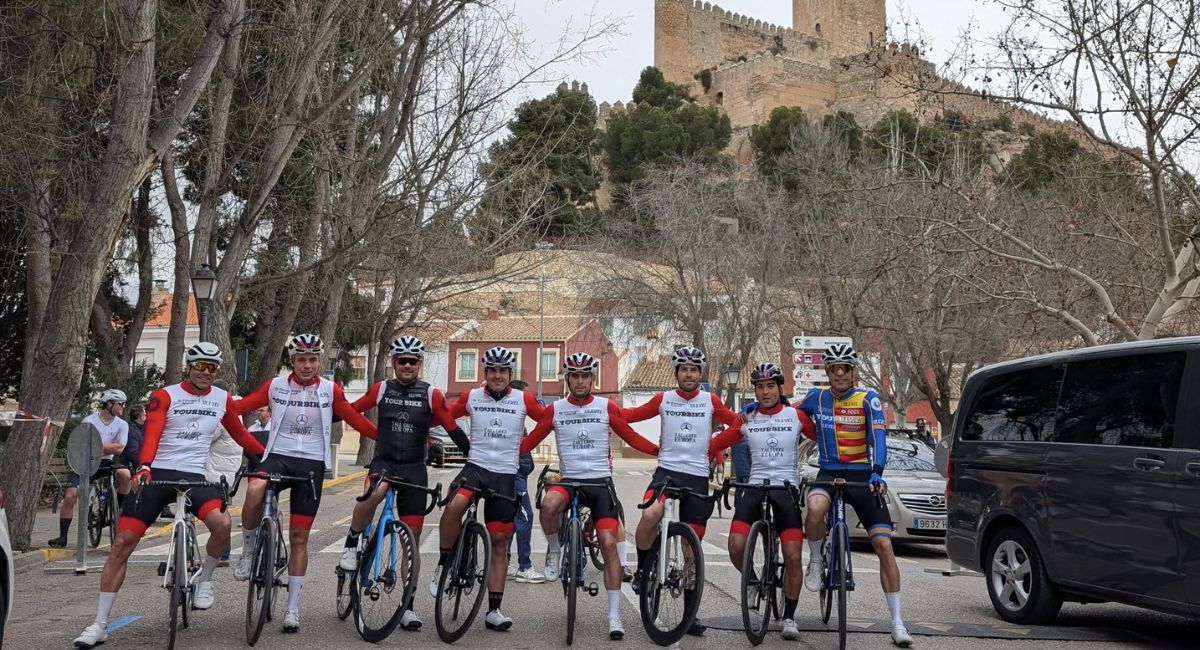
(1076, 476)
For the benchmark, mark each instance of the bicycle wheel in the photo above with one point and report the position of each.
(112, 515)
(260, 592)
(757, 583)
(345, 592)
(384, 582)
(574, 560)
(826, 594)
(592, 542)
(188, 555)
(668, 606)
(178, 570)
(777, 570)
(463, 583)
(95, 517)
(841, 547)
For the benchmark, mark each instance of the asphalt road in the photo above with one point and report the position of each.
(943, 612)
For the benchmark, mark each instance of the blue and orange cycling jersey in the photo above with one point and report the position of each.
(851, 430)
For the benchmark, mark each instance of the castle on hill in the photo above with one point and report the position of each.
(835, 57)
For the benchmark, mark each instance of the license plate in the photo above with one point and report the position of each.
(929, 524)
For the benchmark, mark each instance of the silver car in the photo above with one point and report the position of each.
(916, 492)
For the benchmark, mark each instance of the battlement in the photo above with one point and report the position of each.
(732, 18)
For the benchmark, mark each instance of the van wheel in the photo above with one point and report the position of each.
(1021, 591)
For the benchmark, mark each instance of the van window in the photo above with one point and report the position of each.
(1126, 400)
(1016, 406)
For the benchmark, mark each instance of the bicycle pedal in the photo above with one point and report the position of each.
(593, 589)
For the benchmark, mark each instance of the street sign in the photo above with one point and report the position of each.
(810, 375)
(84, 449)
(808, 358)
(818, 342)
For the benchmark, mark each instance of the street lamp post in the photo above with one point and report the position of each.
(741, 473)
(731, 379)
(204, 288)
(542, 247)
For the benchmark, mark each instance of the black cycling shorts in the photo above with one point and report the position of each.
(304, 503)
(408, 502)
(874, 517)
(143, 507)
(597, 495)
(106, 464)
(692, 510)
(473, 478)
(788, 522)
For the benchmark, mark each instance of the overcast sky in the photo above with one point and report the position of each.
(612, 74)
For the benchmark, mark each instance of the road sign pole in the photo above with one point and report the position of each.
(83, 494)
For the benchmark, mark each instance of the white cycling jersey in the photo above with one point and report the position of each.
(497, 427)
(774, 440)
(582, 435)
(190, 423)
(115, 431)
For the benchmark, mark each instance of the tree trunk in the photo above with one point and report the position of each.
(143, 223)
(183, 265)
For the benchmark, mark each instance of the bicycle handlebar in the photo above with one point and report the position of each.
(843, 484)
(381, 477)
(792, 489)
(541, 485)
(184, 486)
(678, 492)
(273, 477)
(477, 494)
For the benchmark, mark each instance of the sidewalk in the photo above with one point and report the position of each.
(45, 527)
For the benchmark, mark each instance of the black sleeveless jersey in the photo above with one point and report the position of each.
(405, 416)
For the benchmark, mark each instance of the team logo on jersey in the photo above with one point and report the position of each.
(875, 404)
(496, 422)
(685, 427)
(193, 425)
(496, 429)
(773, 441)
(402, 416)
(302, 419)
(583, 434)
(582, 441)
(685, 433)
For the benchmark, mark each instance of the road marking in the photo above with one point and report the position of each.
(113, 626)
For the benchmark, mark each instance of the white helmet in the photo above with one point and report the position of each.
(840, 353)
(113, 395)
(688, 356)
(408, 346)
(580, 362)
(203, 351)
(305, 344)
(499, 357)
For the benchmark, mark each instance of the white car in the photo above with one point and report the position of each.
(6, 571)
(916, 492)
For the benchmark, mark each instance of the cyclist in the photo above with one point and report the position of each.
(497, 414)
(302, 408)
(581, 422)
(772, 436)
(852, 441)
(181, 421)
(114, 434)
(686, 414)
(407, 408)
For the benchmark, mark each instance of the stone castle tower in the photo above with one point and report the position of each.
(850, 26)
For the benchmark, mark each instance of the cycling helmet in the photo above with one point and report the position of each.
(203, 351)
(499, 357)
(580, 362)
(840, 353)
(688, 356)
(113, 395)
(305, 344)
(408, 346)
(766, 371)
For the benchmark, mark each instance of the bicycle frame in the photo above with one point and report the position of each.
(183, 531)
(835, 521)
(371, 570)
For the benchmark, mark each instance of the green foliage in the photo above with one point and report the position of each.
(846, 126)
(142, 380)
(1002, 123)
(927, 147)
(776, 137)
(1027, 129)
(1043, 160)
(653, 89)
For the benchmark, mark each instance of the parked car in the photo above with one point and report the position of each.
(443, 450)
(7, 578)
(1075, 476)
(916, 498)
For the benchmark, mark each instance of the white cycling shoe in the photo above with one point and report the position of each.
(204, 596)
(790, 631)
(291, 621)
(812, 576)
(552, 563)
(349, 559)
(900, 636)
(241, 568)
(616, 631)
(410, 621)
(497, 621)
(93, 635)
(433, 584)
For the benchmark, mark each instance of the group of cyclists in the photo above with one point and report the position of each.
(845, 420)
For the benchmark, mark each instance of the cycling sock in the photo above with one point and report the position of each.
(206, 570)
(789, 607)
(893, 601)
(642, 558)
(295, 586)
(552, 545)
(621, 548)
(105, 606)
(814, 549)
(249, 537)
(494, 598)
(409, 603)
(64, 526)
(352, 538)
(614, 603)
(443, 555)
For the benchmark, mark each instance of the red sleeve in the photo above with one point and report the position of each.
(626, 432)
(722, 413)
(256, 400)
(156, 418)
(532, 408)
(441, 413)
(369, 399)
(344, 410)
(544, 426)
(643, 412)
(807, 426)
(727, 438)
(459, 408)
(237, 430)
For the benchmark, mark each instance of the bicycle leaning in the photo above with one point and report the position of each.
(762, 562)
(571, 535)
(674, 568)
(182, 566)
(388, 557)
(270, 554)
(463, 581)
(102, 506)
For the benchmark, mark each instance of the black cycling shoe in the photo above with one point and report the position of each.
(57, 542)
(636, 584)
(626, 576)
(697, 628)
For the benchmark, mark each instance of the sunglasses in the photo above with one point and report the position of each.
(407, 361)
(839, 368)
(205, 366)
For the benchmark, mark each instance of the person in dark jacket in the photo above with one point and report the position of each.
(137, 421)
(740, 454)
(523, 571)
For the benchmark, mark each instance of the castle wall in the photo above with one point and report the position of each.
(749, 91)
(849, 26)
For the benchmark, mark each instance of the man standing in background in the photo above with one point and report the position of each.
(523, 570)
(260, 428)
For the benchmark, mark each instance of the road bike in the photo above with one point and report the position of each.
(182, 566)
(389, 562)
(838, 574)
(674, 568)
(762, 565)
(268, 571)
(573, 561)
(102, 506)
(463, 582)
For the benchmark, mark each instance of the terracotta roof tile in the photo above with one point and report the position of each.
(655, 374)
(523, 328)
(160, 314)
